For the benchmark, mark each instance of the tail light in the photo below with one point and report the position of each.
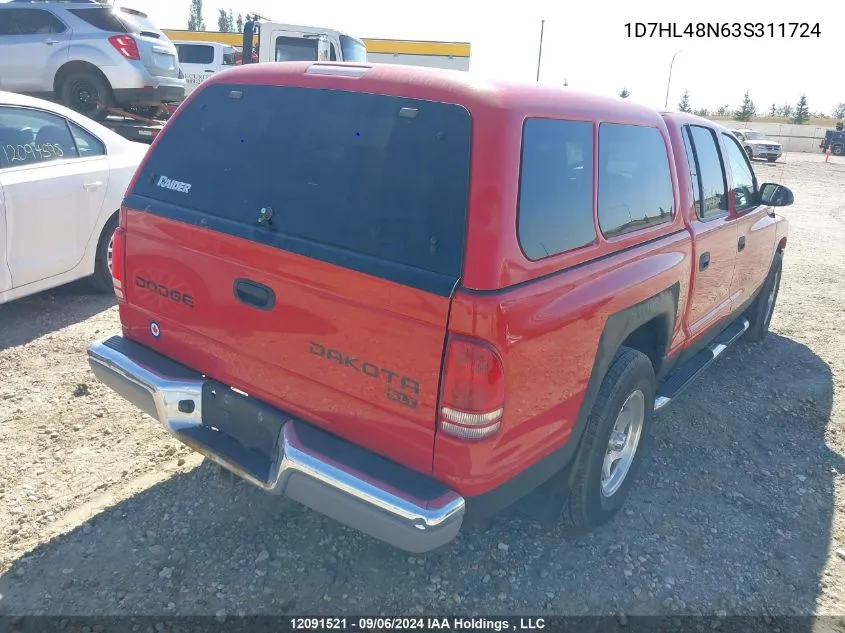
(126, 46)
(118, 250)
(472, 394)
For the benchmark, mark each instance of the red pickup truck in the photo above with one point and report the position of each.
(405, 296)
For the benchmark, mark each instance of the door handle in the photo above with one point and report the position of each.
(704, 261)
(92, 186)
(51, 42)
(209, 71)
(254, 294)
(741, 243)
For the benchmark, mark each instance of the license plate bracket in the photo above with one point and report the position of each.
(252, 423)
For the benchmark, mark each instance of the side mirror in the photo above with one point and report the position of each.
(775, 195)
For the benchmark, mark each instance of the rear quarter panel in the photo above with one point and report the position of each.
(548, 334)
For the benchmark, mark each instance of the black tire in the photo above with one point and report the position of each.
(750, 152)
(838, 150)
(88, 94)
(771, 160)
(586, 505)
(101, 280)
(759, 314)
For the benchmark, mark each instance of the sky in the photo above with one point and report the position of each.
(586, 43)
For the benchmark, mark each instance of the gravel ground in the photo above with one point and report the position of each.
(741, 508)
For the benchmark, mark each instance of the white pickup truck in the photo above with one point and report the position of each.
(200, 60)
(277, 42)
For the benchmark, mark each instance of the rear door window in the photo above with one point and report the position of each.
(635, 184)
(29, 22)
(86, 143)
(350, 178)
(555, 187)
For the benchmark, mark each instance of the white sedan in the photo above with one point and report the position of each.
(62, 179)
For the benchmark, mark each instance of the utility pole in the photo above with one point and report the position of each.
(669, 81)
(540, 53)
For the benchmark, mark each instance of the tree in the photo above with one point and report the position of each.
(723, 110)
(802, 112)
(195, 20)
(231, 21)
(240, 23)
(224, 22)
(839, 111)
(702, 112)
(774, 111)
(785, 111)
(684, 105)
(624, 94)
(746, 111)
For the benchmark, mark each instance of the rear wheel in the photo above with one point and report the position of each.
(101, 280)
(761, 311)
(614, 445)
(838, 150)
(88, 94)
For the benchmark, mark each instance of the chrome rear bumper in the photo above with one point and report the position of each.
(330, 475)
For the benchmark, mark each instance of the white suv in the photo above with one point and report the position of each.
(87, 55)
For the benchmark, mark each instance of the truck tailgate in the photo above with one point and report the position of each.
(305, 253)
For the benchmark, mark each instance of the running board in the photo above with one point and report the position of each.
(680, 379)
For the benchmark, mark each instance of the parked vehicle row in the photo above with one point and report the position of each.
(90, 56)
(109, 63)
(442, 294)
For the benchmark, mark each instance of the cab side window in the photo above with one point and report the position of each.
(555, 212)
(230, 56)
(195, 54)
(29, 137)
(743, 184)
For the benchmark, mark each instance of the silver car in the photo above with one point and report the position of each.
(87, 55)
(757, 145)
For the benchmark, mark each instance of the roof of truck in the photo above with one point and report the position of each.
(456, 86)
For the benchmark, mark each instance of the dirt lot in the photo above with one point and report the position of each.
(742, 508)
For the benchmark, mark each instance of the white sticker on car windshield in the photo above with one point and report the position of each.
(175, 185)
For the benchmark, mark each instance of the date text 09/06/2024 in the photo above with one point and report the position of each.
(722, 29)
(417, 623)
